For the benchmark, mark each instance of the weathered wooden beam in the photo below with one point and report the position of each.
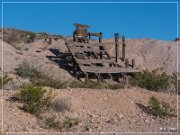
(74, 36)
(116, 36)
(100, 47)
(89, 61)
(123, 47)
(133, 63)
(126, 63)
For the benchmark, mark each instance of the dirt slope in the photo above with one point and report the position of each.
(152, 54)
(36, 53)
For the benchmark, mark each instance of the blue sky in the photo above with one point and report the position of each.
(138, 20)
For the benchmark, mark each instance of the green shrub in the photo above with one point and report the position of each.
(34, 99)
(115, 86)
(28, 70)
(93, 85)
(46, 81)
(87, 84)
(152, 81)
(4, 80)
(160, 108)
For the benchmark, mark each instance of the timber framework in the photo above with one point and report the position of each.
(92, 59)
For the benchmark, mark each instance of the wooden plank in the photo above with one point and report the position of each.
(74, 50)
(116, 36)
(89, 44)
(88, 61)
(104, 70)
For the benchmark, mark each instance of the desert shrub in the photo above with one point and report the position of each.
(47, 81)
(152, 80)
(60, 105)
(28, 70)
(53, 122)
(28, 36)
(93, 85)
(160, 108)
(34, 99)
(4, 80)
(115, 86)
(43, 34)
(70, 122)
(87, 84)
(175, 80)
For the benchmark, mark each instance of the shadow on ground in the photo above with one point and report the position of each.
(63, 59)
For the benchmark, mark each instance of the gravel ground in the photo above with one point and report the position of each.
(97, 110)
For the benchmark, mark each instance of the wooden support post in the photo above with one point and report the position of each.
(123, 47)
(116, 36)
(74, 36)
(99, 78)
(110, 76)
(89, 35)
(125, 79)
(100, 47)
(126, 63)
(75, 66)
(133, 63)
(86, 77)
(100, 37)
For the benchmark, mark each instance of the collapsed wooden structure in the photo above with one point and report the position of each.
(92, 59)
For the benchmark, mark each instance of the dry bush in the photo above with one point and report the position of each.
(61, 105)
(28, 70)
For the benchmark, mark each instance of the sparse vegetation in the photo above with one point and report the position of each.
(53, 122)
(176, 82)
(28, 36)
(43, 34)
(4, 80)
(160, 108)
(60, 105)
(46, 81)
(28, 70)
(14, 36)
(70, 122)
(34, 99)
(152, 81)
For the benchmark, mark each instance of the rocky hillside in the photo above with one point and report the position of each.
(121, 110)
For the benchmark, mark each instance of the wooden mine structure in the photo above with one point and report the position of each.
(92, 58)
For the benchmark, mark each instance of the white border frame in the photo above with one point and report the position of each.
(155, 2)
